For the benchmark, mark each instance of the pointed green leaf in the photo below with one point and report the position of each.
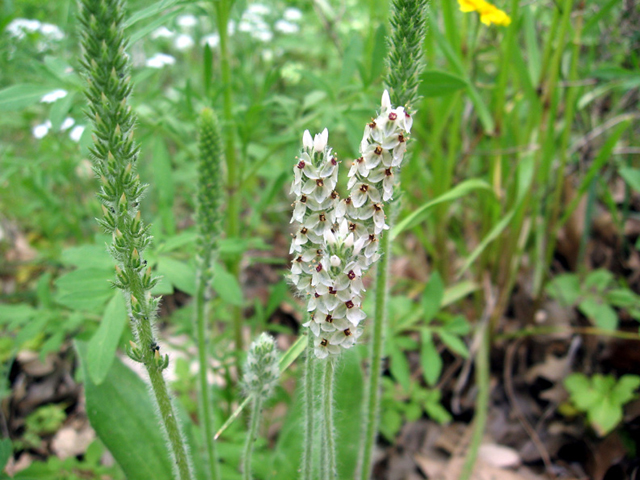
(104, 343)
(123, 416)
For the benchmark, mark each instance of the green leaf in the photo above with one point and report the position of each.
(180, 274)
(95, 256)
(582, 394)
(163, 185)
(149, 11)
(599, 313)
(453, 343)
(624, 390)
(399, 366)
(565, 288)
(491, 236)
(123, 416)
(227, 286)
(430, 359)
(631, 176)
(604, 416)
(420, 214)
(436, 83)
(20, 96)
(6, 448)
(598, 280)
(292, 353)
(86, 289)
(390, 423)
(432, 297)
(458, 291)
(104, 343)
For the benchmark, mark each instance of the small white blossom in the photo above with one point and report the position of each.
(213, 40)
(283, 26)
(258, 9)
(262, 35)
(162, 32)
(20, 26)
(51, 31)
(187, 21)
(183, 42)
(39, 131)
(76, 133)
(320, 140)
(159, 60)
(292, 14)
(53, 96)
(67, 124)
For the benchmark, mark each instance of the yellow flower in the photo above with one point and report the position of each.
(488, 13)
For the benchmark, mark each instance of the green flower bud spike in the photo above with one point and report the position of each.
(106, 68)
(208, 218)
(260, 375)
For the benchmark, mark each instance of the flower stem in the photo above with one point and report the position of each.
(329, 441)
(204, 399)
(307, 457)
(372, 405)
(254, 423)
(223, 9)
(482, 402)
(170, 423)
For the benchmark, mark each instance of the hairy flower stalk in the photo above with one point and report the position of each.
(107, 70)
(261, 374)
(208, 219)
(337, 241)
(404, 64)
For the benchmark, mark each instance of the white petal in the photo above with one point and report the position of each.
(320, 140)
(386, 101)
(307, 141)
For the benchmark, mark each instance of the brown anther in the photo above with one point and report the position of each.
(322, 217)
(303, 230)
(299, 259)
(349, 304)
(377, 207)
(303, 199)
(334, 195)
(364, 187)
(347, 200)
(319, 251)
(319, 182)
(378, 150)
(301, 164)
(351, 275)
(347, 332)
(324, 342)
(334, 160)
(352, 226)
(360, 160)
(329, 318)
(393, 116)
(316, 294)
(401, 138)
(373, 123)
(319, 268)
(332, 291)
(372, 237)
(387, 172)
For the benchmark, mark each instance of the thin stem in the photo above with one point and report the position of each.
(169, 420)
(307, 458)
(482, 402)
(331, 468)
(204, 400)
(223, 8)
(254, 423)
(371, 411)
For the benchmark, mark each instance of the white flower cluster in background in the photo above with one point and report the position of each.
(19, 27)
(336, 241)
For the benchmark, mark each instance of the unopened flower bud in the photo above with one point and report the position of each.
(261, 371)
